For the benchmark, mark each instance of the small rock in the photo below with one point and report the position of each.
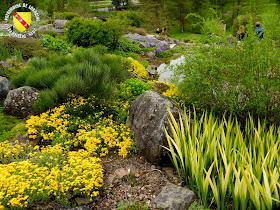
(24, 139)
(141, 197)
(111, 180)
(143, 45)
(121, 172)
(151, 70)
(5, 87)
(82, 201)
(153, 167)
(173, 45)
(132, 170)
(150, 54)
(59, 24)
(168, 171)
(174, 197)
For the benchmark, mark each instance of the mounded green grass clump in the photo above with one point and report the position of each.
(86, 72)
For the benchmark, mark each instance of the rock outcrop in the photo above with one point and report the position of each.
(19, 101)
(147, 118)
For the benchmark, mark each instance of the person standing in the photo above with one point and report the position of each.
(241, 33)
(158, 31)
(259, 30)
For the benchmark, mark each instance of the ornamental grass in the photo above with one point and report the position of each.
(229, 167)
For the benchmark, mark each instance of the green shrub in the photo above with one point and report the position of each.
(66, 15)
(85, 32)
(84, 73)
(126, 45)
(164, 54)
(125, 54)
(56, 44)
(238, 79)
(4, 53)
(132, 88)
(46, 99)
(135, 30)
(27, 47)
(132, 18)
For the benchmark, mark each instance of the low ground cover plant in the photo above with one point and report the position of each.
(238, 168)
(30, 174)
(90, 123)
(57, 45)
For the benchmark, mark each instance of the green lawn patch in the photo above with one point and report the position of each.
(186, 35)
(10, 126)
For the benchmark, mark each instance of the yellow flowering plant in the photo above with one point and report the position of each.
(50, 173)
(90, 123)
(137, 68)
(170, 90)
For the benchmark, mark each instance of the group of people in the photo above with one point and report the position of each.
(258, 31)
(162, 32)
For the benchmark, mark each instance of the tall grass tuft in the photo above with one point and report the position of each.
(238, 168)
(86, 72)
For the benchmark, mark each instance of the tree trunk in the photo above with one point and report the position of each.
(233, 10)
(238, 5)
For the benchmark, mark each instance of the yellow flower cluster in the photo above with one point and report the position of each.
(172, 92)
(100, 139)
(137, 68)
(53, 120)
(95, 132)
(51, 172)
(9, 153)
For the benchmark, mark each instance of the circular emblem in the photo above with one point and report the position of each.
(21, 20)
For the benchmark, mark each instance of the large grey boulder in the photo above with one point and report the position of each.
(5, 87)
(173, 197)
(147, 118)
(19, 101)
(59, 24)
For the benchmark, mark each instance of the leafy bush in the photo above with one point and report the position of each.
(66, 15)
(56, 44)
(164, 54)
(238, 168)
(4, 54)
(126, 45)
(28, 47)
(84, 73)
(238, 79)
(242, 20)
(132, 18)
(85, 32)
(125, 54)
(135, 30)
(132, 88)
